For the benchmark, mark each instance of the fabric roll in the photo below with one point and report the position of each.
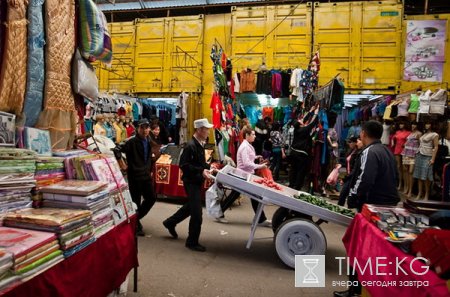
(35, 73)
(14, 67)
(59, 115)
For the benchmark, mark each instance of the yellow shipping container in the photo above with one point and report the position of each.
(168, 55)
(120, 76)
(279, 36)
(362, 41)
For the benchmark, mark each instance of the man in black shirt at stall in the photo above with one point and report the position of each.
(195, 171)
(138, 152)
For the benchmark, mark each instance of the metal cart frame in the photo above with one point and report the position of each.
(295, 231)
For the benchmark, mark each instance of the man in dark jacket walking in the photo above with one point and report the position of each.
(138, 152)
(376, 182)
(377, 176)
(195, 171)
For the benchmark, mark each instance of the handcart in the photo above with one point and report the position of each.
(296, 233)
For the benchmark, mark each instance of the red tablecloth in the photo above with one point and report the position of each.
(365, 241)
(168, 181)
(94, 271)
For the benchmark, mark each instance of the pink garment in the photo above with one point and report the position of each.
(400, 140)
(246, 158)
(276, 85)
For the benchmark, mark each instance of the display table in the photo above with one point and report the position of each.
(168, 181)
(94, 271)
(365, 241)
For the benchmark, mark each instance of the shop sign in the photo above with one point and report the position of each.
(389, 13)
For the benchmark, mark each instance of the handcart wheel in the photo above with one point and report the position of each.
(299, 237)
(282, 214)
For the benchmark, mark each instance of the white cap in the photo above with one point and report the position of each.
(202, 123)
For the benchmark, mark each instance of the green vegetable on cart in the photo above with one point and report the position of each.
(325, 204)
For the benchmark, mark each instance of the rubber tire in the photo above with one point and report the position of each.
(282, 214)
(299, 231)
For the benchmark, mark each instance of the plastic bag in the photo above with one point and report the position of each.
(212, 201)
(333, 177)
(84, 79)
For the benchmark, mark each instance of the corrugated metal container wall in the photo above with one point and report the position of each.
(149, 54)
(256, 39)
(408, 86)
(120, 77)
(362, 42)
(169, 54)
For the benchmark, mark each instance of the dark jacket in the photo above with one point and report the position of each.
(376, 178)
(138, 168)
(302, 141)
(192, 162)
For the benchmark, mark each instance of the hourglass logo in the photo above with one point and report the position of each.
(310, 271)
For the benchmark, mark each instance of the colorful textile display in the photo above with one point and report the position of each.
(95, 38)
(49, 170)
(95, 168)
(30, 248)
(48, 219)
(35, 73)
(14, 68)
(98, 203)
(74, 278)
(59, 116)
(17, 167)
(7, 279)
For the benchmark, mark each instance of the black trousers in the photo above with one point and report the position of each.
(227, 202)
(142, 189)
(300, 164)
(344, 192)
(192, 208)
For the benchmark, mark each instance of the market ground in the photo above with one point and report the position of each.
(227, 268)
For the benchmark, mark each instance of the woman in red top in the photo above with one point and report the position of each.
(398, 142)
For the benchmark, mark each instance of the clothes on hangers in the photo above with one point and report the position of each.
(414, 104)
(267, 112)
(438, 101)
(276, 84)
(217, 108)
(264, 82)
(247, 82)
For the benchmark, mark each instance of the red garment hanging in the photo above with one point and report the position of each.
(217, 108)
(268, 112)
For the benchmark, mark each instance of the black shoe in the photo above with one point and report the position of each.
(140, 232)
(345, 294)
(196, 247)
(171, 229)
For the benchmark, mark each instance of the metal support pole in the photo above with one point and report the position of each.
(255, 223)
